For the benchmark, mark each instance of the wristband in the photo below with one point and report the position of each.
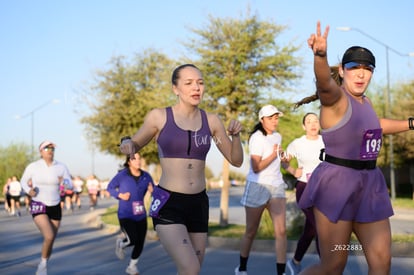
(320, 54)
(124, 138)
(410, 123)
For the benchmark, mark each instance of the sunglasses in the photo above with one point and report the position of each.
(356, 65)
(46, 149)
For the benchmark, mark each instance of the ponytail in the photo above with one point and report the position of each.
(335, 76)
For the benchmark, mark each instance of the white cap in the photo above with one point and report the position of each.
(269, 110)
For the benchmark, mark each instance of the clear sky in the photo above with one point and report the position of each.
(51, 49)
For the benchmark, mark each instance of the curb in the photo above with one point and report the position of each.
(397, 249)
(94, 219)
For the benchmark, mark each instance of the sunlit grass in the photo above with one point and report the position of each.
(265, 231)
(110, 216)
(403, 203)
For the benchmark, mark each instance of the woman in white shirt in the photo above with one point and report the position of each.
(15, 190)
(265, 188)
(306, 150)
(46, 174)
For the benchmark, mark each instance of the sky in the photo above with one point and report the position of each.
(50, 50)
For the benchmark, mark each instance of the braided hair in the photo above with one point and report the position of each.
(334, 74)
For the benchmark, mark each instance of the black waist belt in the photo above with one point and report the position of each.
(355, 164)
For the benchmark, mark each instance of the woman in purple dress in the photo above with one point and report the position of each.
(347, 191)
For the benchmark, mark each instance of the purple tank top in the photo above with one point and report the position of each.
(174, 142)
(358, 136)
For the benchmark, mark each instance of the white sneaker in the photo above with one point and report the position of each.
(237, 272)
(119, 251)
(41, 270)
(132, 269)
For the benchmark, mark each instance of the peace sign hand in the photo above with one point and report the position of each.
(318, 42)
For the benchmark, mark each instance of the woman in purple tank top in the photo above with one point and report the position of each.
(347, 192)
(179, 207)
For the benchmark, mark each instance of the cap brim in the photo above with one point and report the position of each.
(353, 64)
(269, 115)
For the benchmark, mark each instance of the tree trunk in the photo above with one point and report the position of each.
(411, 171)
(224, 199)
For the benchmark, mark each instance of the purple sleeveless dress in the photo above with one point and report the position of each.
(343, 193)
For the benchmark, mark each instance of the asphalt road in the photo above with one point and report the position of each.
(85, 246)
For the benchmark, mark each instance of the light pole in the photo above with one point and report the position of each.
(31, 114)
(387, 96)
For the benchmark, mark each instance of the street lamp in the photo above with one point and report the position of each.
(387, 98)
(31, 114)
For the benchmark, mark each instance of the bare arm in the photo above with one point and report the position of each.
(259, 164)
(231, 149)
(296, 172)
(393, 126)
(145, 133)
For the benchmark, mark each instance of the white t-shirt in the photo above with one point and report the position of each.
(15, 188)
(77, 185)
(46, 179)
(263, 146)
(92, 185)
(306, 151)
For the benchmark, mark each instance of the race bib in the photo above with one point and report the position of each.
(138, 208)
(159, 198)
(371, 144)
(37, 207)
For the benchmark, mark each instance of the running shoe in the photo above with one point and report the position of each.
(132, 269)
(41, 270)
(294, 269)
(119, 250)
(237, 272)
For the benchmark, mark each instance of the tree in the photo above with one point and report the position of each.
(122, 96)
(402, 108)
(13, 160)
(208, 173)
(243, 66)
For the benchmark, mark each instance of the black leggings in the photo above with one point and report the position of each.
(135, 232)
(309, 231)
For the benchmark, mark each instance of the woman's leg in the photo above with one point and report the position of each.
(68, 202)
(177, 242)
(309, 230)
(136, 232)
(48, 228)
(12, 206)
(277, 211)
(253, 216)
(199, 241)
(331, 236)
(375, 238)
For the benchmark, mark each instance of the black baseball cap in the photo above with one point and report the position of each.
(360, 55)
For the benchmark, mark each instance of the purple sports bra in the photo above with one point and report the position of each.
(174, 142)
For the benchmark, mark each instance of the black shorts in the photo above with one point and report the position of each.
(188, 209)
(53, 212)
(15, 198)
